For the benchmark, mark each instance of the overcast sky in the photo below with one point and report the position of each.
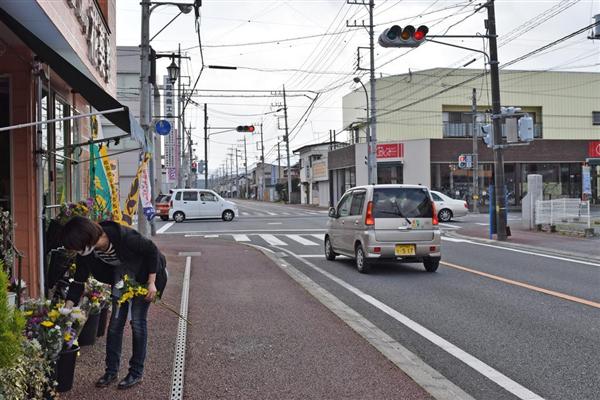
(230, 30)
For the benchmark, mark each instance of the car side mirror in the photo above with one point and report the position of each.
(332, 212)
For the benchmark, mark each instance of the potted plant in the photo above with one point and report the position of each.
(56, 328)
(94, 298)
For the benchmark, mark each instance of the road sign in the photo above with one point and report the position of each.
(162, 127)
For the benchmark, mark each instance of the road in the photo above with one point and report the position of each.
(499, 323)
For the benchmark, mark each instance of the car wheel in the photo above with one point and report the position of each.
(178, 216)
(164, 217)
(445, 215)
(362, 264)
(329, 253)
(431, 265)
(228, 215)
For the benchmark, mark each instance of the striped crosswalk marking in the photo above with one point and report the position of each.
(270, 213)
(319, 236)
(241, 238)
(245, 213)
(211, 236)
(301, 240)
(272, 240)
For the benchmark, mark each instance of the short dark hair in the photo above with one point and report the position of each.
(80, 232)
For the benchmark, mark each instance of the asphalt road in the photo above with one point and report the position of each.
(498, 323)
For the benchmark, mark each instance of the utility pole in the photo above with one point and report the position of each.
(205, 146)
(278, 160)
(245, 168)
(499, 190)
(181, 126)
(237, 173)
(262, 164)
(287, 142)
(145, 111)
(190, 156)
(475, 156)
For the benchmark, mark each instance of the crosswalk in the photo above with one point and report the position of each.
(296, 213)
(312, 239)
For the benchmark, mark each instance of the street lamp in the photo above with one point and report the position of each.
(370, 150)
(173, 71)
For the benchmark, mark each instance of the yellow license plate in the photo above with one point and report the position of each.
(405, 250)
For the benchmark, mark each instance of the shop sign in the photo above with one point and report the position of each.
(96, 34)
(586, 179)
(594, 149)
(390, 150)
(319, 169)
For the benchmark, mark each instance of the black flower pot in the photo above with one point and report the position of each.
(65, 369)
(87, 337)
(102, 322)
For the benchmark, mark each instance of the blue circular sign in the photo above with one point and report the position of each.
(162, 127)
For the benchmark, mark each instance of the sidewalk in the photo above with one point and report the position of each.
(543, 241)
(256, 334)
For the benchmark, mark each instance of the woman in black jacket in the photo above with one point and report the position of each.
(108, 251)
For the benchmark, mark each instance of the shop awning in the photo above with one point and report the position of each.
(79, 82)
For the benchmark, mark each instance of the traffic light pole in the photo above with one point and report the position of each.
(262, 164)
(373, 120)
(245, 169)
(475, 131)
(499, 190)
(205, 146)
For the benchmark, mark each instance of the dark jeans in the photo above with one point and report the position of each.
(114, 338)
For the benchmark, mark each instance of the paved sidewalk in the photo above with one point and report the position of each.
(256, 334)
(544, 241)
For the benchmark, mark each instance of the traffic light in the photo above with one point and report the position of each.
(462, 161)
(201, 166)
(194, 167)
(488, 135)
(525, 129)
(407, 37)
(245, 128)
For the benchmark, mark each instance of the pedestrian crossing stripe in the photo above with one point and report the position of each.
(272, 240)
(241, 238)
(301, 240)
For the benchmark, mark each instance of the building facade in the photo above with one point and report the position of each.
(429, 115)
(314, 176)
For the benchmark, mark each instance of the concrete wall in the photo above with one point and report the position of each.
(417, 158)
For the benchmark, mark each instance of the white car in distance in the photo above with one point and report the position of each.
(447, 207)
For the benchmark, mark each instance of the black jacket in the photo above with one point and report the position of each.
(139, 257)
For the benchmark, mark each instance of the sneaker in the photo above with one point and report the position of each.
(106, 380)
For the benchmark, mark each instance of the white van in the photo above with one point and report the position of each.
(198, 203)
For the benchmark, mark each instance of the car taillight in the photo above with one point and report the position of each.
(434, 217)
(466, 205)
(369, 220)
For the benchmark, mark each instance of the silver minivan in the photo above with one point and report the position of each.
(385, 222)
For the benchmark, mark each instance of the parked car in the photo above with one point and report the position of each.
(385, 222)
(196, 203)
(448, 207)
(162, 205)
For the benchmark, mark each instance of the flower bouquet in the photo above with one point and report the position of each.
(95, 298)
(127, 288)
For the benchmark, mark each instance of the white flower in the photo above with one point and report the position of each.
(120, 284)
(64, 311)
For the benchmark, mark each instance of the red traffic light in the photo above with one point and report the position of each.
(420, 33)
(245, 128)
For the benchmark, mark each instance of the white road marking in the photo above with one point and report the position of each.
(272, 240)
(449, 225)
(482, 223)
(164, 227)
(319, 236)
(454, 240)
(209, 236)
(531, 253)
(270, 213)
(245, 213)
(284, 213)
(232, 231)
(301, 240)
(492, 374)
(241, 238)
(275, 223)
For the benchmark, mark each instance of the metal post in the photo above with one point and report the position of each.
(501, 228)
(237, 174)
(145, 98)
(40, 182)
(181, 124)
(475, 131)
(373, 116)
(245, 168)
(205, 146)
(287, 142)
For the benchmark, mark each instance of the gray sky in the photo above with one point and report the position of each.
(329, 61)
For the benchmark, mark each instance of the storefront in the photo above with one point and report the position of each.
(45, 77)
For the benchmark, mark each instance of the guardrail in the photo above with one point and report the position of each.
(557, 211)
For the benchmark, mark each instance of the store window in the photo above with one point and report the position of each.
(389, 173)
(595, 117)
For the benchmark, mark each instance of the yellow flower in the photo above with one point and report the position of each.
(48, 324)
(142, 291)
(126, 278)
(28, 313)
(67, 337)
(53, 315)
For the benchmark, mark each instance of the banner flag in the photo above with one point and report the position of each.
(131, 205)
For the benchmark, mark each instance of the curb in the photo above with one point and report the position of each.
(412, 365)
(518, 246)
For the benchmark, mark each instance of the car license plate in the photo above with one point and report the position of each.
(405, 250)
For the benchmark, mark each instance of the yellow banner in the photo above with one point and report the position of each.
(112, 179)
(131, 205)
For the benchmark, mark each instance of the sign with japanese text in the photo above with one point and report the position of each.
(594, 149)
(390, 150)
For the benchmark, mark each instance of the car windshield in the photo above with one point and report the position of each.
(402, 203)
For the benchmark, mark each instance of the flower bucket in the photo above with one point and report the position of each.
(102, 322)
(65, 369)
(87, 337)
(12, 299)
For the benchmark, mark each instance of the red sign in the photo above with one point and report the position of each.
(390, 150)
(594, 149)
